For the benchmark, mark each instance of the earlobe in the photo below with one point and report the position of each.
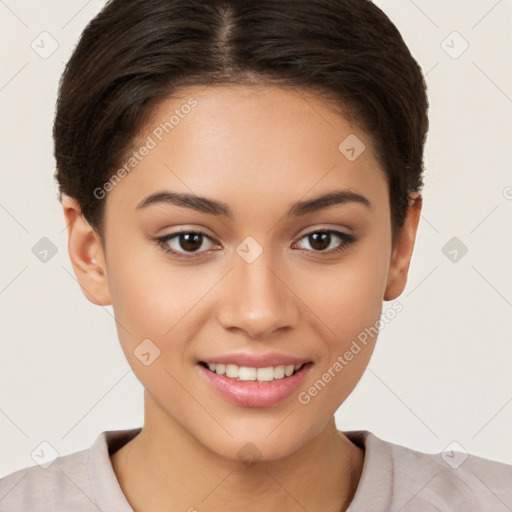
(401, 257)
(86, 254)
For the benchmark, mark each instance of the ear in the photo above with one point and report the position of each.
(402, 253)
(86, 253)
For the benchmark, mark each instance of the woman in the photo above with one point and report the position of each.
(242, 182)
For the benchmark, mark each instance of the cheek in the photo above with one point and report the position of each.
(351, 308)
(149, 294)
(349, 299)
(153, 307)
(159, 301)
(137, 286)
(349, 302)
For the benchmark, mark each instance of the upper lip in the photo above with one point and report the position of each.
(256, 360)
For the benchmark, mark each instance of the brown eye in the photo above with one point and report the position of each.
(185, 243)
(319, 241)
(327, 241)
(190, 241)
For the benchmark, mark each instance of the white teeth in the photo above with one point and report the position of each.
(288, 370)
(265, 374)
(258, 374)
(245, 373)
(279, 372)
(232, 371)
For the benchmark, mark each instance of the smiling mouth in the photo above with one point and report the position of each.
(248, 373)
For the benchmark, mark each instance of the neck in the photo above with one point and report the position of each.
(166, 468)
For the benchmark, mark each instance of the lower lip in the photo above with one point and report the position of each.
(253, 393)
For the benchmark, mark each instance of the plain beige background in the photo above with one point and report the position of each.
(441, 370)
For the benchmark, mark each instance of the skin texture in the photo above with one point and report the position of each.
(258, 150)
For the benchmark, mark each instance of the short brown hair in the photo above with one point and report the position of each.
(136, 53)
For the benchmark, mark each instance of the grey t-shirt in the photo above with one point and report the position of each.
(394, 478)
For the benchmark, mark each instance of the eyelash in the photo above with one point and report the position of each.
(162, 242)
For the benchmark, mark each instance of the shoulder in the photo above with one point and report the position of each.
(82, 481)
(36, 488)
(409, 480)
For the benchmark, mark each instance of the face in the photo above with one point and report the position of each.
(257, 279)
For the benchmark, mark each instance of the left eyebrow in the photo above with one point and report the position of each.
(212, 207)
(326, 201)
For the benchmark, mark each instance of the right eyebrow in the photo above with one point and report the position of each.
(200, 204)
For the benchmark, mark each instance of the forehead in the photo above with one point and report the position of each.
(242, 143)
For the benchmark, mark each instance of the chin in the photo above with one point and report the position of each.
(262, 440)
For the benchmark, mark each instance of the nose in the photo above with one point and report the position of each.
(257, 300)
